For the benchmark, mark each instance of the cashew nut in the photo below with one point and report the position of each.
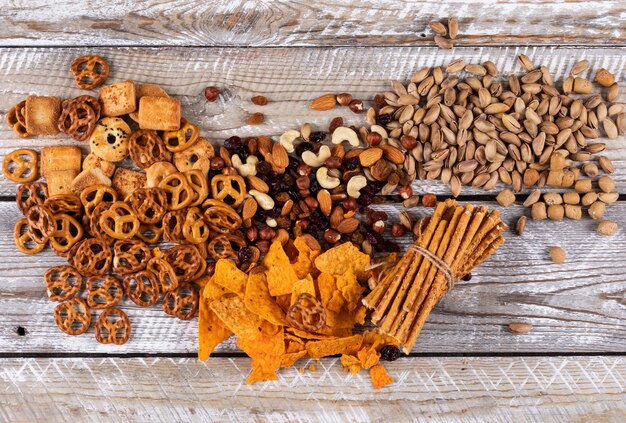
(355, 184)
(316, 160)
(344, 133)
(379, 130)
(263, 200)
(272, 223)
(286, 139)
(245, 169)
(325, 180)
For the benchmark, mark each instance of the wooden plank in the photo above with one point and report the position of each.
(574, 307)
(302, 23)
(244, 73)
(547, 389)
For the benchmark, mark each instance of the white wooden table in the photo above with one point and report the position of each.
(466, 366)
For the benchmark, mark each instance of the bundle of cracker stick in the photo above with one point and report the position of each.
(454, 240)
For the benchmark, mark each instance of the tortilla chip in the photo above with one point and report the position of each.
(350, 289)
(212, 291)
(234, 314)
(352, 363)
(379, 376)
(324, 348)
(284, 302)
(345, 318)
(211, 330)
(280, 275)
(303, 286)
(227, 275)
(326, 286)
(305, 262)
(378, 340)
(289, 359)
(368, 357)
(338, 260)
(263, 368)
(269, 340)
(259, 301)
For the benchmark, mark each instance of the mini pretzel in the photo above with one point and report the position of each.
(130, 256)
(65, 203)
(119, 221)
(164, 272)
(186, 262)
(62, 282)
(91, 257)
(104, 291)
(182, 302)
(200, 185)
(150, 234)
(89, 100)
(179, 192)
(230, 189)
(112, 327)
(41, 223)
(29, 195)
(307, 313)
(73, 317)
(91, 196)
(78, 118)
(146, 148)
(148, 204)
(68, 232)
(173, 222)
(225, 246)
(183, 138)
(21, 165)
(16, 120)
(142, 288)
(195, 229)
(93, 223)
(24, 240)
(89, 71)
(221, 217)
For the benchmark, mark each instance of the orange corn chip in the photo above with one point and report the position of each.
(289, 359)
(378, 340)
(368, 357)
(379, 376)
(305, 285)
(211, 330)
(227, 275)
(259, 301)
(323, 348)
(338, 260)
(280, 275)
(306, 335)
(350, 289)
(263, 368)
(266, 348)
(352, 363)
(233, 312)
(284, 302)
(305, 262)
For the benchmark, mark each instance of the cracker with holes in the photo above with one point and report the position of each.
(118, 99)
(159, 113)
(42, 115)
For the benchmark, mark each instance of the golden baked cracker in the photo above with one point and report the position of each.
(42, 115)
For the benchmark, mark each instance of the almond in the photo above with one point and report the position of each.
(325, 202)
(249, 208)
(325, 102)
(336, 216)
(349, 225)
(370, 156)
(520, 327)
(279, 156)
(393, 154)
(256, 183)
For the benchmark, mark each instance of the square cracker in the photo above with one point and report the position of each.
(159, 113)
(42, 115)
(93, 161)
(126, 181)
(60, 182)
(87, 178)
(60, 157)
(118, 99)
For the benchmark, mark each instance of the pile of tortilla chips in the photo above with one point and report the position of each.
(254, 307)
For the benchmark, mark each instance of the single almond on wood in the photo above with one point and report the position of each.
(520, 327)
(325, 102)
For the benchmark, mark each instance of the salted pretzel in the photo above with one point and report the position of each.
(225, 246)
(29, 195)
(89, 71)
(142, 288)
(24, 240)
(181, 139)
(179, 192)
(307, 313)
(220, 216)
(91, 101)
(78, 118)
(146, 148)
(73, 317)
(182, 302)
(62, 282)
(230, 189)
(148, 204)
(67, 233)
(165, 273)
(112, 327)
(65, 203)
(150, 233)
(195, 229)
(21, 165)
(119, 222)
(186, 262)
(93, 223)
(91, 257)
(200, 185)
(16, 120)
(91, 196)
(41, 223)
(130, 256)
(173, 222)
(103, 291)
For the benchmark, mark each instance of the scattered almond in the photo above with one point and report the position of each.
(370, 156)
(607, 228)
(520, 225)
(325, 102)
(349, 225)
(520, 328)
(557, 254)
(325, 202)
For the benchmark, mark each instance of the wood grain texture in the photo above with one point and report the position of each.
(302, 23)
(557, 389)
(574, 307)
(289, 78)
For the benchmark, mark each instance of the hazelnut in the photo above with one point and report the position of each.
(408, 142)
(331, 236)
(405, 192)
(229, 171)
(303, 169)
(311, 203)
(211, 93)
(344, 99)
(217, 163)
(303, 182)
(350, 204)
(373, 139)
(302, 223)
(252, 233)
(378, 215)
(378, 227)
(356, 106)
(335, 123)
(333, 162)
(263, 246)
(397, 230)
(266, 233)
(429, 200)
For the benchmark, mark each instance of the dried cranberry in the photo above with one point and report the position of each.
(467, 277)
(293, 164)
(390, 353)
(384, 119)
(351, 163)
(302, 147)
(314, 188)
(233, 143)
(317, 137)
(365, 200)
(318, 220)
(371, 238)
(273, 213)
(263, 168)
(245, 254)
